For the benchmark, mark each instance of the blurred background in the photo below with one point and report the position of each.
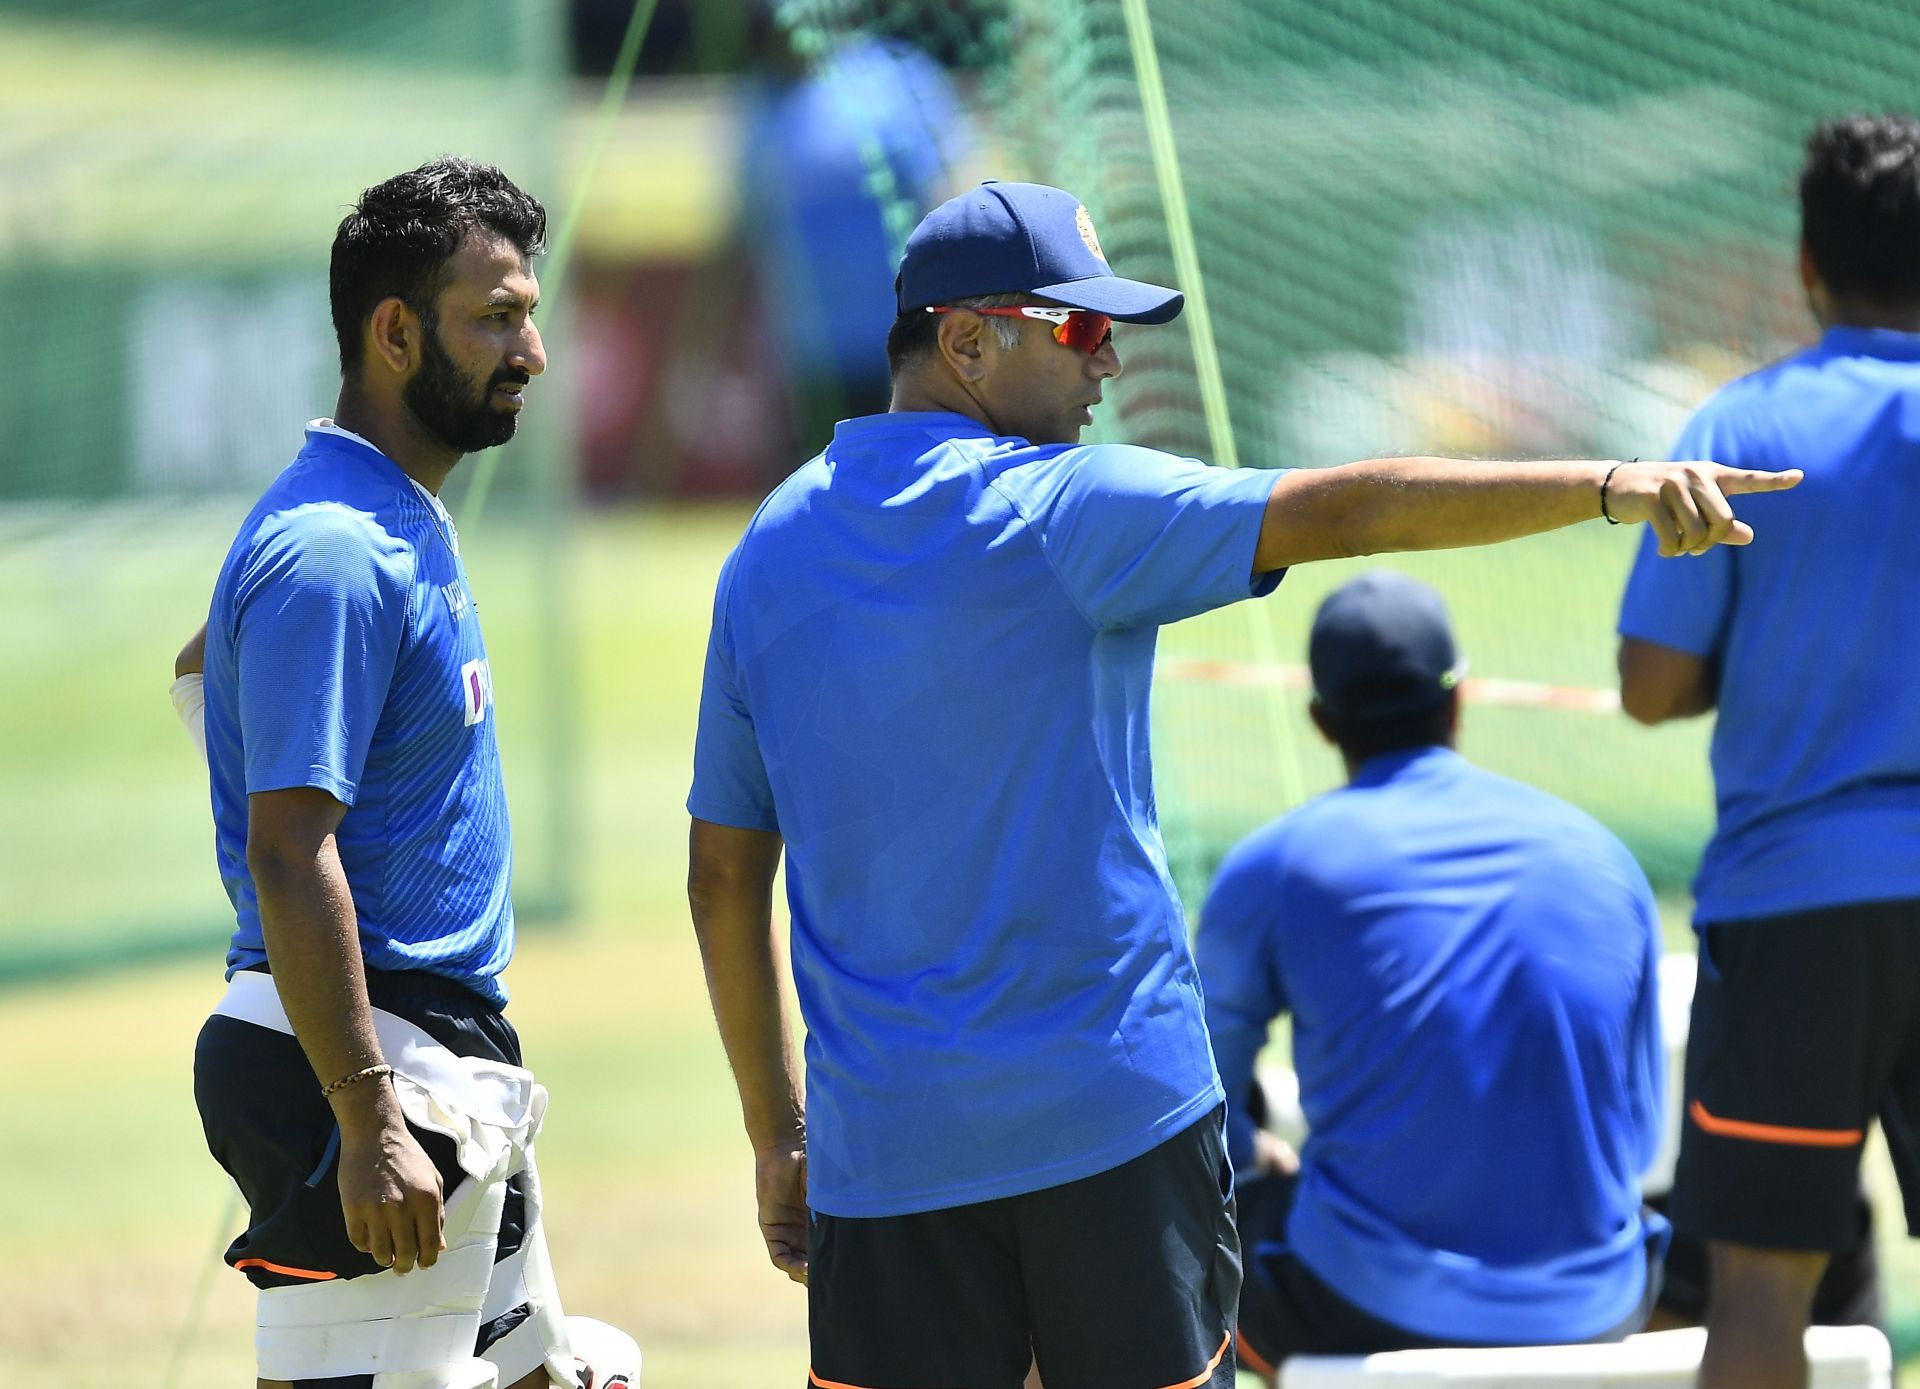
(1532, 227)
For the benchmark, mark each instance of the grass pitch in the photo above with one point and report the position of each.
(105, 846)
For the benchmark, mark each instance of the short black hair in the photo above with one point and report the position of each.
(400, 235)
(1860, 205)
(1362, 738)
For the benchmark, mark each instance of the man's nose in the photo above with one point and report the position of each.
(531, 353)
(1105, 363)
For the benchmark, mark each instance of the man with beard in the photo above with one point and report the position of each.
(358, 1080)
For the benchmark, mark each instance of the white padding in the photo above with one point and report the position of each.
(608, 1357)
(417, 1330)
(468, 1374)
(526, 1279)
(189, 695)
(1842, 1357)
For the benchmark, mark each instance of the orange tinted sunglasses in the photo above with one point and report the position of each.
(1085, 330)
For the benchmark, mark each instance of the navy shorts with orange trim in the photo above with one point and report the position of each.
(1127, 1279)
(1806, 1027)
(266, 1122)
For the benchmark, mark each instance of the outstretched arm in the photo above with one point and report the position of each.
(730, 892)
(1393, 504)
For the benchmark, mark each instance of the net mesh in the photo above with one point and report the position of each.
(1476, 227)
(172, 178)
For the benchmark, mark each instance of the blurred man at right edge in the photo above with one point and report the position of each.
(1806, 1022)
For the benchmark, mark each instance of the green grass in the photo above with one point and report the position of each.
(1541, 609)
(118, 1210)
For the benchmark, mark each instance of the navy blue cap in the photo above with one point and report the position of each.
(1007, 238)
(1382, 645)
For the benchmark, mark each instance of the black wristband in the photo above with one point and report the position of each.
(1603, 491)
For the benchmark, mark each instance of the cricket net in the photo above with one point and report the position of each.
(1476, 227)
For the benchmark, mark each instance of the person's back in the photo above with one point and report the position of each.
(1463, 958)
(1816, 753)
(1808, 896)
(980, 897)
(1471, 968)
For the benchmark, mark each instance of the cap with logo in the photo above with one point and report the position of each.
(1382, 646)
(1006, 238)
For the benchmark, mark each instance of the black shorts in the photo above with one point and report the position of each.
(1286, 1310)
(268, 1126)
(1123, 1280)
(1805, 1027)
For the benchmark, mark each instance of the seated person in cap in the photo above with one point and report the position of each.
(1472, 970)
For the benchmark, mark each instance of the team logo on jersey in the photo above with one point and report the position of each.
(456, 597)
(476, 689)
(1085, 224)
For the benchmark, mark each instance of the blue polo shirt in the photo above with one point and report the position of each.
(1816, 750)
(1472, 969)
(344, 653)
(928, 671)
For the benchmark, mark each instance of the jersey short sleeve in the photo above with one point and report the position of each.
(1683, 602)
(319, 617)
(1138, 537)
(730, 785)
(1239, 977)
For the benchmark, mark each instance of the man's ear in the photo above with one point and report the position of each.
(395, 334)
(962, 340)
(1317, 712)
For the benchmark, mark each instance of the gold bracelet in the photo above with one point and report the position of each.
(369, 1073)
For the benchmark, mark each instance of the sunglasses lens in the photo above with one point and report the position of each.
(1085, 331)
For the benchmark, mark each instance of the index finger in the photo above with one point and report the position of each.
(1737, 480)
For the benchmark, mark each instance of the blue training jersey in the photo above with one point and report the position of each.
(344, 653)
(1472, 970)
(929, 672)
(1809, 630)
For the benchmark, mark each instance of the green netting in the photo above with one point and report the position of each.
(1479, 227)
(170, 178)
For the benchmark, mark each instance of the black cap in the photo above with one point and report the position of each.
(1382, 646)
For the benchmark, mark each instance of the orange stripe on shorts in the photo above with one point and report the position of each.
(317, 1275)
(1772, 1133)
(813, 1378)
(1207, 1373)
(1252, 1358)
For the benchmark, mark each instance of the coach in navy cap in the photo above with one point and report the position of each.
(1025, 237)
(927, 685)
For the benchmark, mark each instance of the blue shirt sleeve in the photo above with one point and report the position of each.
(1239, 977)
(730, 785)
(1683, 602)
(1138, 537)
(318, 620)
